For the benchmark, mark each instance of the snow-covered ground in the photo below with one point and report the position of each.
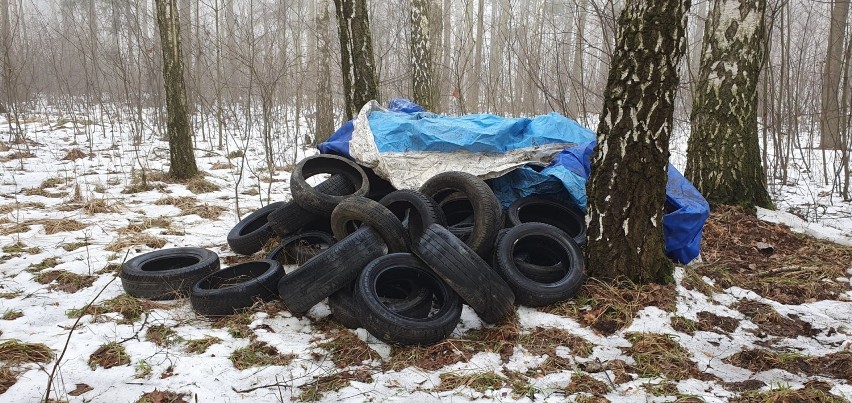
(44, 186)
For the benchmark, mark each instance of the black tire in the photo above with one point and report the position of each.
(379, 187)
(311, 198)
(402, 295)
(167, 273)
(539, 209)
(236, 288)
(415, 210)
(466, 273)
(253, 231)
(299, 248)
(393, 327)
(355, 211)
(487, 212)
(292, 218)
(528, 291)
(331, 270)
(538, 262)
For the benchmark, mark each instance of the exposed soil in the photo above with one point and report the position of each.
(771, 322)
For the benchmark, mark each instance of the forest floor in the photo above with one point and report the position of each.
(764, 317)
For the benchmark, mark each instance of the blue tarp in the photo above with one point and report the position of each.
(406, 130)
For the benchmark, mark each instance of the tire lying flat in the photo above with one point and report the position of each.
(528, 291)
(394, 327)
(253, 231)
(236, 288)
(540, 209)
(167, 273)
(404, 296)
(466, 273)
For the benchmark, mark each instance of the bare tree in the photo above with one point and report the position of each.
(830, 121)
(325, 108)
(723, 157)
(181, 154)
(627, 187)
(421, 54)
(360, 84)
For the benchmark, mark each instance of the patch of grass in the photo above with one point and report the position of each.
(237, 324)
(100, 206)
(43, 193)
(7, 379)
(684, 325)
(798, 270)
(259, 354)
(17, 155)
(770, 321)
(17, 352)
(161, 335)
(11, 314)
(135, 227)
(164, 396)
(50, 183)
(222, 165)
(835, 365)
(189, 205)
(812, 391)
(109, 355)
(694, 281)
(585, 383)
(68, 247)
(344, 347)
(19, 247)
(10, 294)
(74, 154)
(113, 268)
(659, 355)
(236, 154)
(199, 346)
(130, 308)
(664, 388)
(315, 390)
(198, 184)
(48, 263)
(142, 370)
(65, 280)
(51, 226)
(608, 308)
(544, 340)
(8, 208)
(125, 242)
(480, 381)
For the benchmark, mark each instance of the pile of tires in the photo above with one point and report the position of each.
(399, 263)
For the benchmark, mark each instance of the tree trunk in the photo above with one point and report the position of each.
(6, 42)
(179, 131)
(325, 109)
(627, 187)
(473, 98)
(578, 84)
(723, 156)
(360, 84)
(830, 119)
(421, 55)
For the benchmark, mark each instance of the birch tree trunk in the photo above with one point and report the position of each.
(325, 109)
(181, 154)
(578, 82)
(421, 55)
(627, 187)
(360, 84)
(829, 137)
(723, 156)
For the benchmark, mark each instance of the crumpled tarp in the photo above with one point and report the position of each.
(408, 146)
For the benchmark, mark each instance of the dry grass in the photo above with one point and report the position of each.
(314, 391)
(51, 226)
(74, 154)
(109, 355)
(773, 323)
(344, 347)
(10, 294)
(259, 354)
(199, 346)
(608, 308)
(543, 340)
(68, 247)
(126, 242)
(16, 352)
(64, 280)
(585, 383)
(198, 184)
(222, 165)
(835, 365)
(8, 208)
(237, 324)
(44, 264)
(812, 391)
(11, 314)
(7, 379)
(798, 270)
(17, 155)
(163, 396)
(37, 191)
(135, 227)
(659, 355)
(189, 205)
(130, 308)
(480, 381)
(50, 183)
(19, 248)
(162, 335)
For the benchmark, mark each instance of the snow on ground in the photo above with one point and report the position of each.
(42, 186)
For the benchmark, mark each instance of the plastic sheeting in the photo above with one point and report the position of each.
(408, 146)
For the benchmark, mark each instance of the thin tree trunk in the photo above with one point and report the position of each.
(830, 121)
(578, 82)
(181, 153)
(325, 109)
(627, 187)
(421, 54)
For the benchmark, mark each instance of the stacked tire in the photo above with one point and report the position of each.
(399, 263)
